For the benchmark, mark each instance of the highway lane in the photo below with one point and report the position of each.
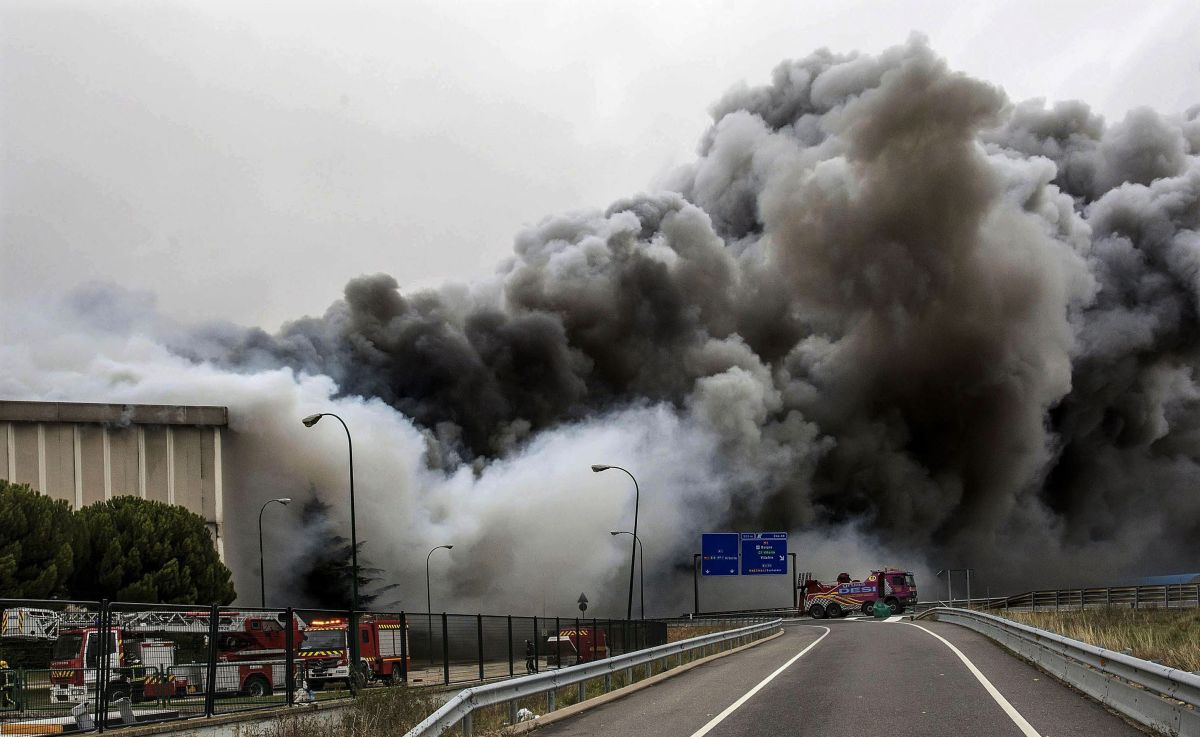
(863, 678)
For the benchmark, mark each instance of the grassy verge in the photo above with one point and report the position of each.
(1167, 636)
(374, 713)
(675, 632)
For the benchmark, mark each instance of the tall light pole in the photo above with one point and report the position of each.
(597, 468)
(641, 568)
(262, 570)
(429, 598)
(309, 422)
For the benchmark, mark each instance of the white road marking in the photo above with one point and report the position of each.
(1025, 727)
(734, 706)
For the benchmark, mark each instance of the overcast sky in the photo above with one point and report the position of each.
(244, 160)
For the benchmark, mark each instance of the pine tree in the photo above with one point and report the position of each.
(36, 543)
(131, 549)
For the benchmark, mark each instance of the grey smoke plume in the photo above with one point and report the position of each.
(884, 308)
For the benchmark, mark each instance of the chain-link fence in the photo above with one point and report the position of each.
(81, 666)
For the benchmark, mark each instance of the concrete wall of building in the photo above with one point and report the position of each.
(84, 453)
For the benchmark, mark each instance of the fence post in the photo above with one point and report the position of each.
(1057, 599)
(479, 637)
(404, 647)
(1108, 597)
(595, 637)
(101, 686)
(579, 643)
(445, 651)
(1137, 596)
(289, 659)
(210, 681)
(510, 647)
(537, 637)
(557, 644)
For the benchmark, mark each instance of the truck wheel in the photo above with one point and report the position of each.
(817, 611)
(834, 610)
(317, 685)
(257, 686)
(394, 678)
(893, 604)
(866, 607)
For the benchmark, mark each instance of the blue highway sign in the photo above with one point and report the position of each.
(764, 553)
(719, 553)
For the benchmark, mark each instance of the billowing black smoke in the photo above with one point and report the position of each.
(966, 326)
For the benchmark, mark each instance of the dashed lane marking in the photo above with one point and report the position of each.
(1025, 727)
(734, 706)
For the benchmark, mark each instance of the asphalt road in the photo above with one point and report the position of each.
(856, 678)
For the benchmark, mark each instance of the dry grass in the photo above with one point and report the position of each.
(677, 632)
(376, 712)
(1167, 636)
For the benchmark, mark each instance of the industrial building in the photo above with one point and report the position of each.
(85, 453)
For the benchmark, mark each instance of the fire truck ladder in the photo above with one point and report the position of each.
(44, 624)
(29, 624)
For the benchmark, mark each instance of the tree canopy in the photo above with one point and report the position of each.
(132, 549)
(327, 570)
(36, 543)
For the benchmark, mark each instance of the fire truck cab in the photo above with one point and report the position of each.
(382, 649)
(895, 587)
(136, 666)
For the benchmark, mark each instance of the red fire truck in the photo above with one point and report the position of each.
(571, 646)
(142, 664)
(382, 647)
(895, 587)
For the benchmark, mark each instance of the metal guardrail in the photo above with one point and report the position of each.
(461, 708)
(784, 612)
(1159, 596)
(1166, 700)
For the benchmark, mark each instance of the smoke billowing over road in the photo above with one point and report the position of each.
(885, 308)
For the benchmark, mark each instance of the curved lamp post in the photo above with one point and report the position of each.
(262, 570)
(429, 598)
(597, 468)
(309, 422)
(641, 567)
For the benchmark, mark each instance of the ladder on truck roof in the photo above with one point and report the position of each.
(44, 624)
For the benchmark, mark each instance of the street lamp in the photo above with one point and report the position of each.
(262, 571)
(641, 567)
(429, 598)
(309, 422)
(597, 468)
